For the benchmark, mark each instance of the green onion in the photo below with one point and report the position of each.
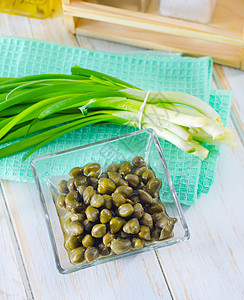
(40, 108)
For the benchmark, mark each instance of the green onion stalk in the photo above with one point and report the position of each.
(35, 110)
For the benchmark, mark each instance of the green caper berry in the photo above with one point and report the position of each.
(97, 200)
(87, 194)
(132, 226)
(98, 230)
(106, 186)
(115, 224)
(147, 175)
(125, 210)
(92, 214)
(61, 201)
(75, 172)
(105, 216)
(113, 168)
(72, 242)
(91, 254)
(77, 255)
(62, 187)
(137, 243)
(87, 241)
(144, 233)
(138, 161)
(92, 170)
(80, 180)
(133, 180)
(118, 199)
(125, 168)
(119, 246)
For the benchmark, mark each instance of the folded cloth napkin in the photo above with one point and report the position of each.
(146, 69)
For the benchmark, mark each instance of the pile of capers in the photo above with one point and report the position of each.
(111, 212)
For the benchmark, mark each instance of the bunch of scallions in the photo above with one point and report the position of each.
(35, 110)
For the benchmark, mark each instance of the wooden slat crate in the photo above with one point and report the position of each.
(223, 39)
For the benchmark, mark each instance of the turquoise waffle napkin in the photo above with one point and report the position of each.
(147, 69)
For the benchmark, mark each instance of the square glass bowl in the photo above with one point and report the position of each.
(50, 169)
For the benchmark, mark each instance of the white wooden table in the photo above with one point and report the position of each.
(209, 266)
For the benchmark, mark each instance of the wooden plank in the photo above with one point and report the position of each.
(211, 264)
(155, 23)
(227, 55)
(137, 277)
(11, 283)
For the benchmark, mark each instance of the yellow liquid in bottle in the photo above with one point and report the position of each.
(29, 8)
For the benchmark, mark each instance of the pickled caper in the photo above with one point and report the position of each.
(137, 243)
(87, 241)
(77, 255)
(71, 184)
(124, 235)
(138, 161)
(93, 181)
(124, 190)
(132, 226)
(115, 177)
(135, 199)
(75, 228)
(78, 217)
(107, 238)
(81, 189)
(87, 194)
(75, 172)
(118, 199)
(103, 175)
(167, 225)
(107, 201)
(125, 168)
(103, 249)
(73, 206)
(144, 233)
(92, 170)
(122, 182)
(72, 242)
(158, 215)
(80, 180)
(147, 175)
(91, 254)
(147, 220)
(88, 225)
(62, 187)
(125, 210)
(138, 211)
(145, 197)
(98, 230)
(115, 224)
(155, 208)
(97, 200)
(156, 234)
(113, 168)
(133, 180)
(61, 201)
(119, 245)
(105, 216)
(166, 222)
(106, 186)
(72, 196)
(153, 185)
(139, 171)
(92, 213)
